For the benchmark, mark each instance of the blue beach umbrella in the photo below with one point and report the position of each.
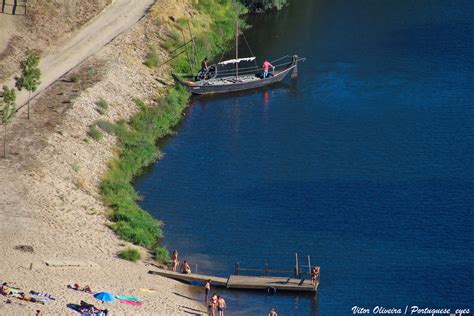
(105, 297)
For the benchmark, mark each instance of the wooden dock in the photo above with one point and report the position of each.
(217, 281)
(242, 282)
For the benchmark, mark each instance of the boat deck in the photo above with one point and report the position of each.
(242, 282)
(228, 80)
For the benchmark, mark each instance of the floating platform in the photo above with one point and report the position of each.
(245, 282)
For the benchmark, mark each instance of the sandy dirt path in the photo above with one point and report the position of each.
(115, 19)
(6, 30)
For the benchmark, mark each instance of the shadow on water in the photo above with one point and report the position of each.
(203, 99)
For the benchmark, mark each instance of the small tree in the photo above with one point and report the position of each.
(8, 107)
(30, 75)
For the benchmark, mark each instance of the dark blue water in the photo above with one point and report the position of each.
(365, 162)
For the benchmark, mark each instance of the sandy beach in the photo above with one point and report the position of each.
(53, 225)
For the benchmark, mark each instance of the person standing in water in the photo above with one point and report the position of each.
(221, 306)
(272, 312)
(266, 65)
(213, 304)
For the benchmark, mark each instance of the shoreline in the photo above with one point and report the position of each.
(50, 200)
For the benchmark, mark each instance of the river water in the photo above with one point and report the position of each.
(365, 162)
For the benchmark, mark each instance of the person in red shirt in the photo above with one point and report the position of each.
(266, 66)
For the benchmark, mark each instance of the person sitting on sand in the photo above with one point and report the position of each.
(174, 260)
(186, 268)
(3, 289)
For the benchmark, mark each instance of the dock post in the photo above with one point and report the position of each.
(196, 271)
(309, 265)
(294, 73)
(296, 265)
(237, 268)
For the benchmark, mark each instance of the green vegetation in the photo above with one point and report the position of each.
(161, 254)
(260, 6)
(211, 39)
(130, 254)
(74, 78)
(75, 167)
(95, 133)
(138, 144)
(152, 59)
(107, 126)
(30, 75)
(102, 106)
(137, 138)
(8, 108)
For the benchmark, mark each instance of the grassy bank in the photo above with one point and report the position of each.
(137, 138)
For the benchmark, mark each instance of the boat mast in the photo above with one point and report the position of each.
(237, 42)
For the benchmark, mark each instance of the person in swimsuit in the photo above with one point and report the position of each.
(221, 305)
(314, 275)
(207, 288)
(213, 304)
(174, 260)
(272, 312)
(186, 268)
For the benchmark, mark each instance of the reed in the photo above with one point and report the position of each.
(137, 138)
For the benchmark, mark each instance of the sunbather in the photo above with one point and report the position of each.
(87, 289)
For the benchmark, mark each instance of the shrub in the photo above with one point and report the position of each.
(74, 78)
(102, 106)
(107, 126)
(151, 59)
(130, 254)
(95, 133)
(161, 254)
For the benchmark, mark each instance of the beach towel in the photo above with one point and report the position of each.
(147, 290)
(130, 302)
(40, 299)
(44, 294)
(127, 298)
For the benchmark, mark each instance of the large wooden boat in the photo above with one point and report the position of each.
(250, 79)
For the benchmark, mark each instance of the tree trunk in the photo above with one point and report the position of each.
(29, 97)
(5, 142)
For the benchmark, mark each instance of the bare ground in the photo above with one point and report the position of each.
(49, 198)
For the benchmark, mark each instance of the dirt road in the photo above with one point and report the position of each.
(118, 17)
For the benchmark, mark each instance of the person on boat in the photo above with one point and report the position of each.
(221, 306)
(266, 65)
(204, 68)
(174, 260)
